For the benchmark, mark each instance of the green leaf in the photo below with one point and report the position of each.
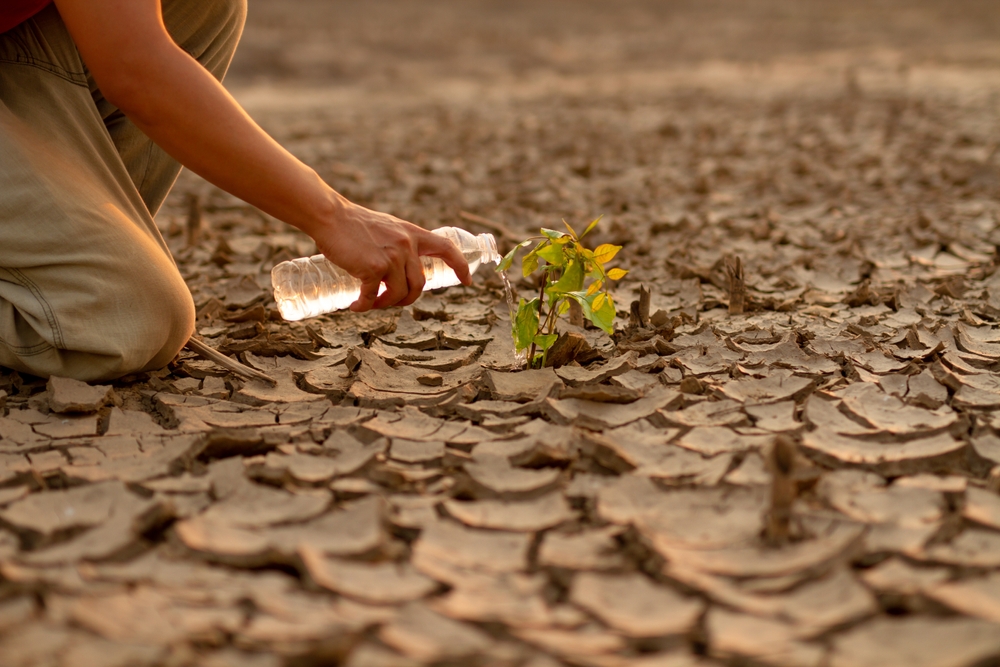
(591, 226)
(525, 324)
(529, 263)
(553, 254)
(604, 315)
(508, 259)
(568, 267)
(584, 300)
(545, 341)
(571, 279)
(605, 252)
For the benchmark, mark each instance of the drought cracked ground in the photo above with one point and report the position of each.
(811, 482)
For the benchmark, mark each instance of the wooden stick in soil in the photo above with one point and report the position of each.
(643, 306)
(737, 287)
(781, 463)
(203, 350)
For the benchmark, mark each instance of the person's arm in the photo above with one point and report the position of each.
(186, 112)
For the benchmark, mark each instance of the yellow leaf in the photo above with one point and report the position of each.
(605, 252)
(599, 301)
(591, 226)
(571, 230)
(594, 287)
(617, 274)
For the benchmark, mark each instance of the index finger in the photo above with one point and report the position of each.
(436, 246)
(366, 300)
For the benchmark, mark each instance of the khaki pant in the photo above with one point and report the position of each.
(88, 288)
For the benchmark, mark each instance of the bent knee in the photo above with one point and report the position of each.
(147, 326)
(169, 328)
(120, 317)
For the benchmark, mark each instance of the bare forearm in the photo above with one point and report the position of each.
(182, 108)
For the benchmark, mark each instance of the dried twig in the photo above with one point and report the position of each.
(201, 348)
(737, 287)
(497, 227)
(781, 462)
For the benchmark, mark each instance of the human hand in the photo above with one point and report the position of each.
(379, 248)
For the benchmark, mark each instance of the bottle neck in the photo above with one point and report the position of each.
(488, 249)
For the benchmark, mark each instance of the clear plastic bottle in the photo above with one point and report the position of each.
(311, 286)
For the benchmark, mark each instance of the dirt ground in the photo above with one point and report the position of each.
(811, 482)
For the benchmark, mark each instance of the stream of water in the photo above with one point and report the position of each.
(520, 358)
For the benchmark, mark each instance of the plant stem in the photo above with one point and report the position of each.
(541, 303)
(549, 324)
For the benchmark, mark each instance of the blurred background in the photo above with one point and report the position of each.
(391, 41)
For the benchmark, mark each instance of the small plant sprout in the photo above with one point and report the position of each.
(569, 272)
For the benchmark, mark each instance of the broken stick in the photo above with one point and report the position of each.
(639, 309)
(737, 287)
(202, 349)
(781, 462)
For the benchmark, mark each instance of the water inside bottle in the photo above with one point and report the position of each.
(312, 286)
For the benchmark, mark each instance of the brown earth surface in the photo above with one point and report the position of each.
(811, 482)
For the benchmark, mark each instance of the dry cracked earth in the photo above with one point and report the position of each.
(811, 482)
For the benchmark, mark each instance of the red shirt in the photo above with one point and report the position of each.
(15, 12)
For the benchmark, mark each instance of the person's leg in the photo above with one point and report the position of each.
(87, 285)
(209, 31)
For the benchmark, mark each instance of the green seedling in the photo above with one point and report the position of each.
(569, 272)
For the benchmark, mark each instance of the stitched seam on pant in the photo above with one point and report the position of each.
(77, 78)
(27, 350)
(49, 315)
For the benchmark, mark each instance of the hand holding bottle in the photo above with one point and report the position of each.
(311, 286)
(378, 248)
